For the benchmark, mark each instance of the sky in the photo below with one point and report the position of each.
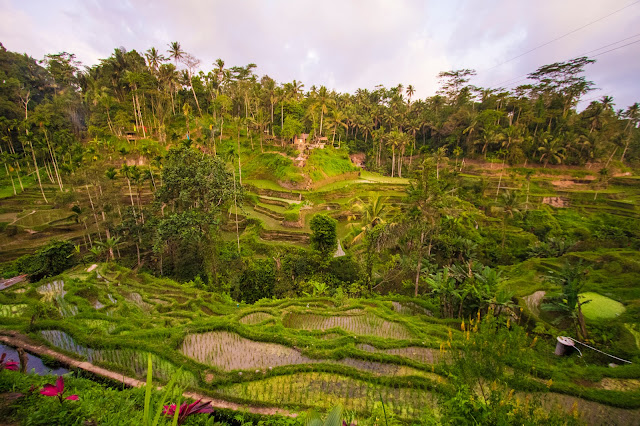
(349, 44)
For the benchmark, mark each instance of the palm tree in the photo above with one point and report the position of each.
(154, 59)
(373, 213)
(339, 120)
(550, 149)
(108, 245)
(175, 52)
(323, 101)
(410, 91)
(393, 140)
(570, 278)
(440, 156)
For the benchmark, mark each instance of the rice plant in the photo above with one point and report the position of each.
(255, 318)
(416, 353)
(364, 325)
(9, 311)
(229, 351)
(325, 390)
(128, 359)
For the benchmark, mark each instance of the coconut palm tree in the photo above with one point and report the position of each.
(154, 59)
(550, 149)
(393, 140)
(373, 213)
(175, 52)
(410, 92)
(440, 156)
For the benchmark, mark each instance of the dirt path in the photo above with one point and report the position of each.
(21, 341)
(11, 281)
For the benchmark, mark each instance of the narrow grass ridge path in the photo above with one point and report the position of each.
(21, 341)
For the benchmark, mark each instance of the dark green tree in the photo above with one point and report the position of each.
(324, 237)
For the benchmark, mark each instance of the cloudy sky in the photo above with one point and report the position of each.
(347, 44)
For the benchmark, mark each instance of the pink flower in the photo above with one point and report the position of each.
(57, 390)
(8, 365)
(186, 410)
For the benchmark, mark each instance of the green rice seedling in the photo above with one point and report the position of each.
(11, 311)
(366, 324)
(255, 318)
(52, 290)
(324, 390)
(229, 351)
(416, 353)
(128, 359)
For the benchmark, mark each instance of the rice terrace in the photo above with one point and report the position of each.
(184, 240)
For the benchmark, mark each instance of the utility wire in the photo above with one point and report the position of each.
(564, 35)
(610, 44)
(597, 350)
(619, 47)
(519, 78)
(593, 56)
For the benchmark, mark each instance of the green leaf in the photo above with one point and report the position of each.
(176, 413)
(334, 418)
(147, 393)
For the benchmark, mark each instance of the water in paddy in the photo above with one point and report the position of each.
(34, 364)
(128, 359)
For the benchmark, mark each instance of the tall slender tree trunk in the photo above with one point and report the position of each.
(194, 95)
(393, 160)
(18, 174)
(419, 263)
(133, 206)
(12, 183)
(144, 131)
(93, 210)
(235, 203)
(35, 165)
(239, 164)
(53, 160)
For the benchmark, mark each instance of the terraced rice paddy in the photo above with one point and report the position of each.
(137, 299)
(127, 359)
(326, 390)
(362, 325)
(229, 351)
(410, 308)
(382, 369)
(600, 307)
(52, 290)
(416, 353)
(55, 291)
(9, 311)
(255, 318)
(329, 351)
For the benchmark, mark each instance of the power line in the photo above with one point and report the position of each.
(520, 79)
(611, 44)
(619, 47)
(563, 36)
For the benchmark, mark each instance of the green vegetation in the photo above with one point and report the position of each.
(412, 260)
(600, 307)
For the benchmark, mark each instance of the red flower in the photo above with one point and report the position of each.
(57, 390)
(187, 409)
(8, 365)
